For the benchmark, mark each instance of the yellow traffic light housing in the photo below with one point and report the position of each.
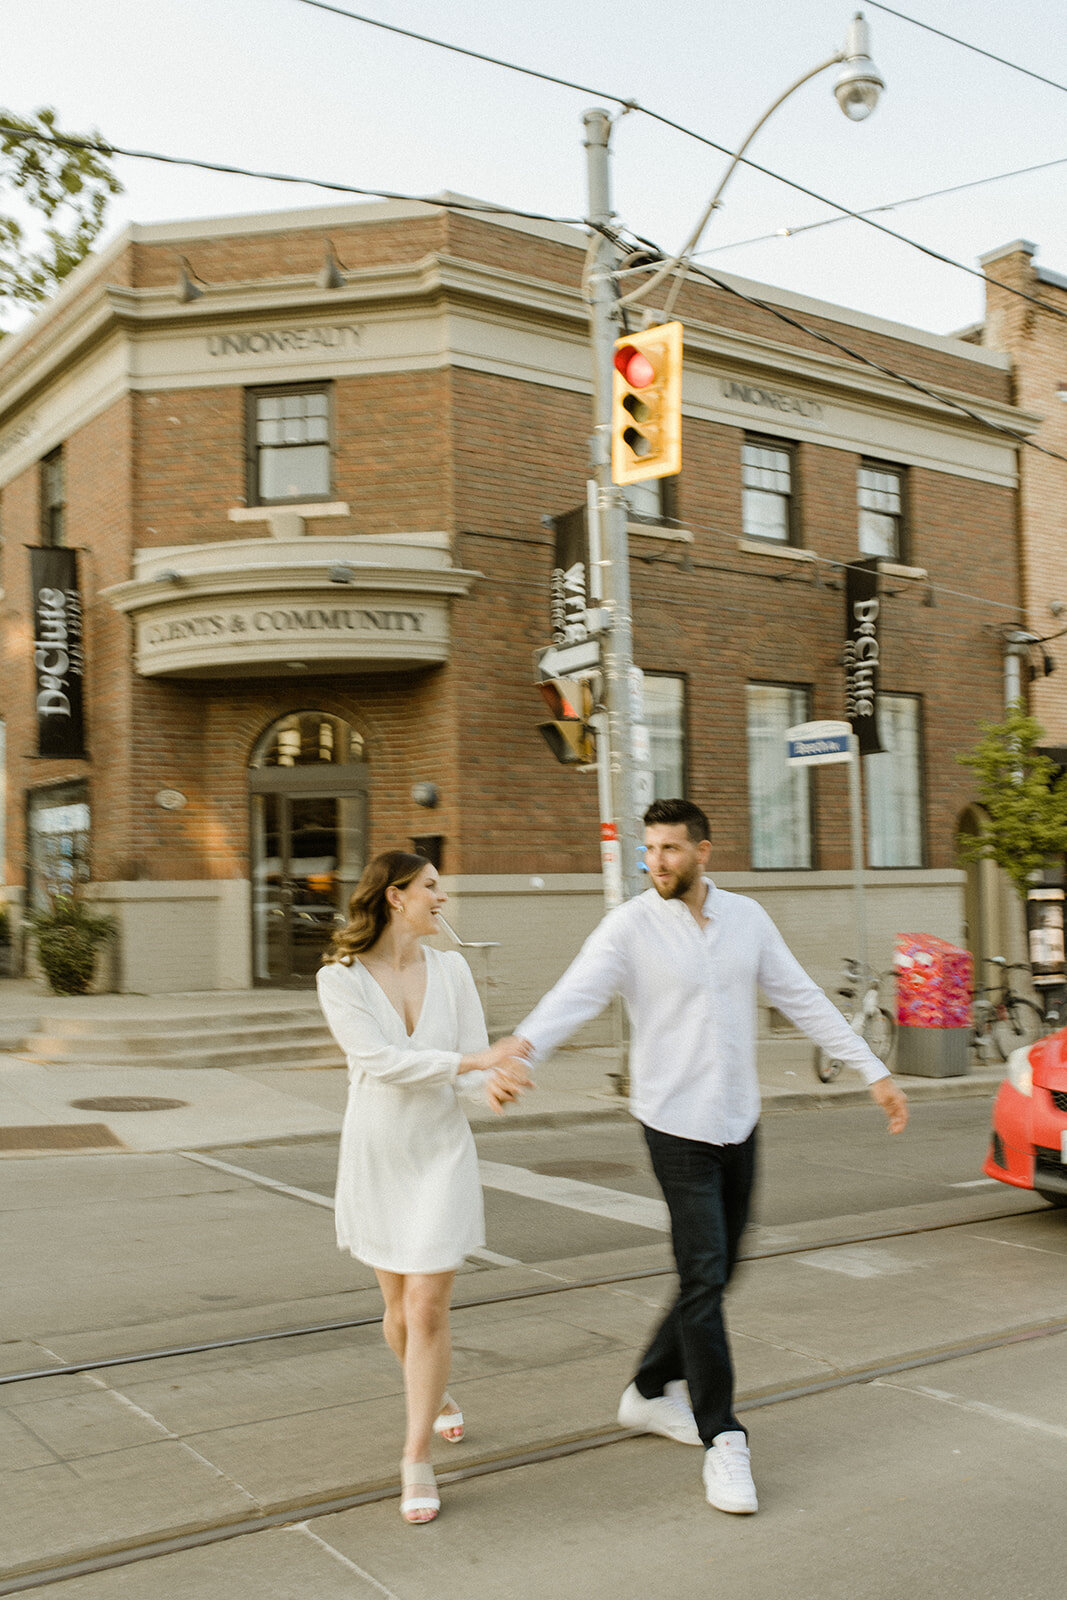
(569, 735)
(646, 404)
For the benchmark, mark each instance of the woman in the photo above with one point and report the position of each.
(409, 1200)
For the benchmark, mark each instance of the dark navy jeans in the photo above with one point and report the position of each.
(707, 1188)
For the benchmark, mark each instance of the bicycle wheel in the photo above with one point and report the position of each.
(982, 1040)
(827, 1068)
(1021, 1023)
(880, 1031)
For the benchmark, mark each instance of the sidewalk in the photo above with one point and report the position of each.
(245, 1105)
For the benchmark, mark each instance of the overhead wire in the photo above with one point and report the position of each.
(967, 45)
(889, 205)
(107, 148)
(630, 104)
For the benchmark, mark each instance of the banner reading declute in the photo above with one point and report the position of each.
(58, 661)
(862, 611)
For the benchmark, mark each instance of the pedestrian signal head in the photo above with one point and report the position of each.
(569, 735)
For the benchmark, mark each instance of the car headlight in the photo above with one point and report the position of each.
(1019, 1072)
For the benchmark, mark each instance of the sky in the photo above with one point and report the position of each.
(284, 86)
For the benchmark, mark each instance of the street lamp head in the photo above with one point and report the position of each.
(859, 83)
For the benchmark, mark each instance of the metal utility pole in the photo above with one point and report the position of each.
(620, 680)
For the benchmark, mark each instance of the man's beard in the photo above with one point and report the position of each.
(679, 886)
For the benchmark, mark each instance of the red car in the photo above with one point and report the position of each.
(1028, 1146)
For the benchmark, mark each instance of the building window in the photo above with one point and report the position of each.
(289, 445)
(58, 841)
(779, 796)
(880, 493)
(53, 499)
(893, 780)
(654, 500)
(766, 490)
(665, 719)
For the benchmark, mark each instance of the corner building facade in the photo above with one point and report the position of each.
(310, 462)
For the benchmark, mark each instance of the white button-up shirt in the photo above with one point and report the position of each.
(691, 995)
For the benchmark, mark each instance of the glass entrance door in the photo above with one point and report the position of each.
(308, 853)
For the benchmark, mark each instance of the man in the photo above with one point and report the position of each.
(687, 958)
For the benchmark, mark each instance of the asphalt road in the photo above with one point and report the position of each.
(903, 1391)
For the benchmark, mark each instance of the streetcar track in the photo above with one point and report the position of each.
(764, 1253)
(305, 1511)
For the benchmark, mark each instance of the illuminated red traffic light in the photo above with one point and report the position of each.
(637, 370)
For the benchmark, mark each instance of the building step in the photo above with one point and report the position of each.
(210, 1054)
(289, 1037)
(86, 1027)
(103, 1047)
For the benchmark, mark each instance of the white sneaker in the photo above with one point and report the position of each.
(667, 1414)
(728, 1474)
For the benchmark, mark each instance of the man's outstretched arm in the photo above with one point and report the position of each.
(593, 977)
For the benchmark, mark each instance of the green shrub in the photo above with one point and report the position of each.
(67, 937)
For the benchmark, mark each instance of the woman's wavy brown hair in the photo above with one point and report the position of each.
(368, 909)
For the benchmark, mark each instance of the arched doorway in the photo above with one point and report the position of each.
(993, 923)
(308, 788)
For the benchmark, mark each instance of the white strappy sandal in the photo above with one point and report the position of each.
(447, 1422)
(416, 1475)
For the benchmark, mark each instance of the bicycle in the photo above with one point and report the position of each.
(861, 987)
(1004, 1019)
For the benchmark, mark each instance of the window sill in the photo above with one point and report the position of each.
(893, 569)
(657, 530)
(287, 521)
(300, 508)
(785, 552)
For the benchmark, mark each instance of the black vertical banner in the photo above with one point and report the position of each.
(862, 612)
(57, 652)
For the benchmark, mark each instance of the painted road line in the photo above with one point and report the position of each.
(490, 1257)
(261, 1182)
(614, 1204)
(975, 1183)
(979, 1408)
(857, 1261)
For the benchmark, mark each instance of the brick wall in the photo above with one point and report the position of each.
(1036, 340)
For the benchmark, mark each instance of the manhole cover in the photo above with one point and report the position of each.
(586, 1171)
(127, 1102)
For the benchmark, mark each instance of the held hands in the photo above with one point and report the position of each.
(893, 1102)
(509, 1076)
(507, 1082)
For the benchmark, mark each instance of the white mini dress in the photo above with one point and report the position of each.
(408, 1196)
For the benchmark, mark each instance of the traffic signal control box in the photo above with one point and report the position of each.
(646, 404)
(569, 735)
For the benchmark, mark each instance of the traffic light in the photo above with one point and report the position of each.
(646, 404)
(569, 735)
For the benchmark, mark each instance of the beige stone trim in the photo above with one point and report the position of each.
(783, 552)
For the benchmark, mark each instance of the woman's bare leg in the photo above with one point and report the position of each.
(392, 1286)
(427, 1355)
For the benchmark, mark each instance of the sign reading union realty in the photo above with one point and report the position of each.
(324, 339)
(185, 638)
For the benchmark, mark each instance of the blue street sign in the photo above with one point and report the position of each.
(817, 744)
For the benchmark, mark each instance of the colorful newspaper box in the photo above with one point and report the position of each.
(933, 982)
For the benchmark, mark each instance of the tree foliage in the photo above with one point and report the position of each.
(1024, 795)
(68, 184)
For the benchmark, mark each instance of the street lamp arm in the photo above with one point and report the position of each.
(691, 243)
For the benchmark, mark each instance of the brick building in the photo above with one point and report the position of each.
(1035, 340)
(309, 462)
